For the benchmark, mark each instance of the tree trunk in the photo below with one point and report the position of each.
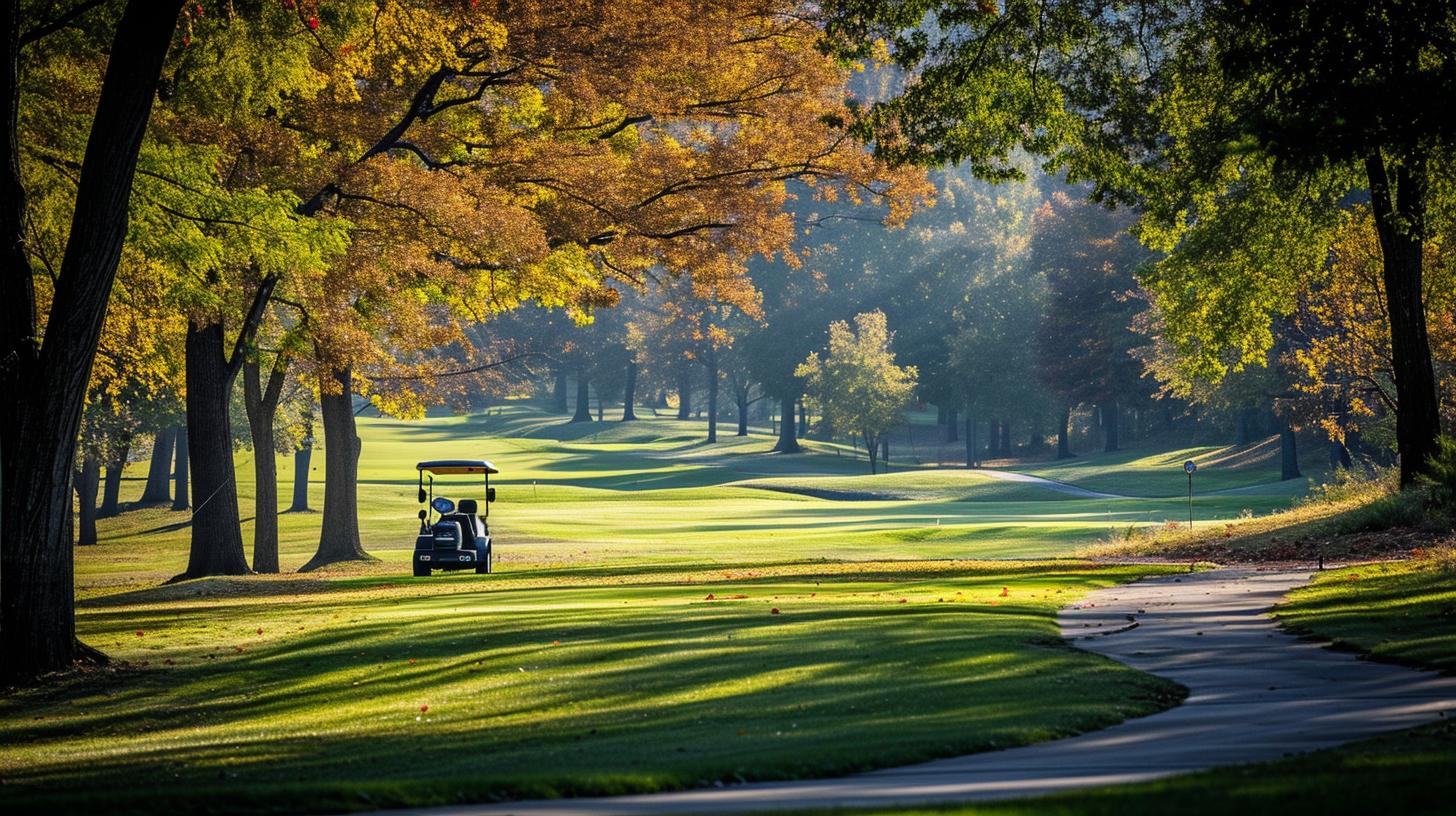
(601, 410)
(1246, 425)
(803, 418)
(740, 399)
(181, 493)
(952, 425)
(1005, 439)
(217, 537)
(583, 398)
(971, 441)
(1064, 440)
(42, 390)
(710, 363)
(558, 394)
(261, 402)
(872, 447)
(111, 494)
(1288, 454)
(684, 397)
(1400, 222)
(629, 393)
(301, 456)
(993, 440)
(159, 473)
(86, 483)
(1110, 436)
(885, 450)
(339, 538)
(788, 439)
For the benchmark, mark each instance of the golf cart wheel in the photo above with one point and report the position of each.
(483, 568)
(421, 571)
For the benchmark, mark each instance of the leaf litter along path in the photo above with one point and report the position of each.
(1256, 693)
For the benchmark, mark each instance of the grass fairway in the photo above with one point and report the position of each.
(361, 692)
(628, 642)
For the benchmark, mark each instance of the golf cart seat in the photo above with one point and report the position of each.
(466, 510)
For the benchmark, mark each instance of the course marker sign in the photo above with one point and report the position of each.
(1188, 468)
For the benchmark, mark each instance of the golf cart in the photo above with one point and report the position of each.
(458, 538)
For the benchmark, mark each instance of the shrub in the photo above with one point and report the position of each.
(1440, 475)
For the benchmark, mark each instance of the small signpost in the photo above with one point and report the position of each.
(1188, 468)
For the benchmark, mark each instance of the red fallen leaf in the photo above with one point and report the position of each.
(424, 708)
(902, 600)
(239, 649)
(313, 24)
(555, 643)
(710, 597)
(260, 630)
(140, 633)
(1005, 592)
(774, 611)
(412, 661)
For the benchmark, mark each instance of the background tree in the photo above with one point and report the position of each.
(1219, 120)
(856, 382)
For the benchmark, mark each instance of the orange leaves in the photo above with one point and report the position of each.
(774, 611)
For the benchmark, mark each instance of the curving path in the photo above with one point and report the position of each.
(1256, 693)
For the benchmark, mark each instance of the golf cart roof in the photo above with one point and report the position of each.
(447, 466)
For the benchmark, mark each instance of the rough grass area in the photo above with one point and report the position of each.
(247, 695)
(1350, 518)
(1402, 611)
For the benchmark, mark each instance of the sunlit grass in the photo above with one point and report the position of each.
(364, 691)
(594, 660)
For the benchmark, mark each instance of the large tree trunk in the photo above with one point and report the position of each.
(1288, 454)
(952, 425)
(558, 393)
(684, 396)
(1006, 439)
(1400, 216)
(339, 538)
(993, 440)
(217, 538)
(788, 439)
(1064, 440)
(710, 364)
(159, 473)
(872, 447)
(261, 402)
(42, 389)
(1110, 438)
(111, 492)
(629, 393)
(86, 482)
(583, 398)
(181, 493)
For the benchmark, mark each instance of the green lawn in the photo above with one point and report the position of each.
(294, 691)
(594, 660)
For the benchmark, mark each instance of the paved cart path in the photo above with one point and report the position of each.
(1256, 693)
